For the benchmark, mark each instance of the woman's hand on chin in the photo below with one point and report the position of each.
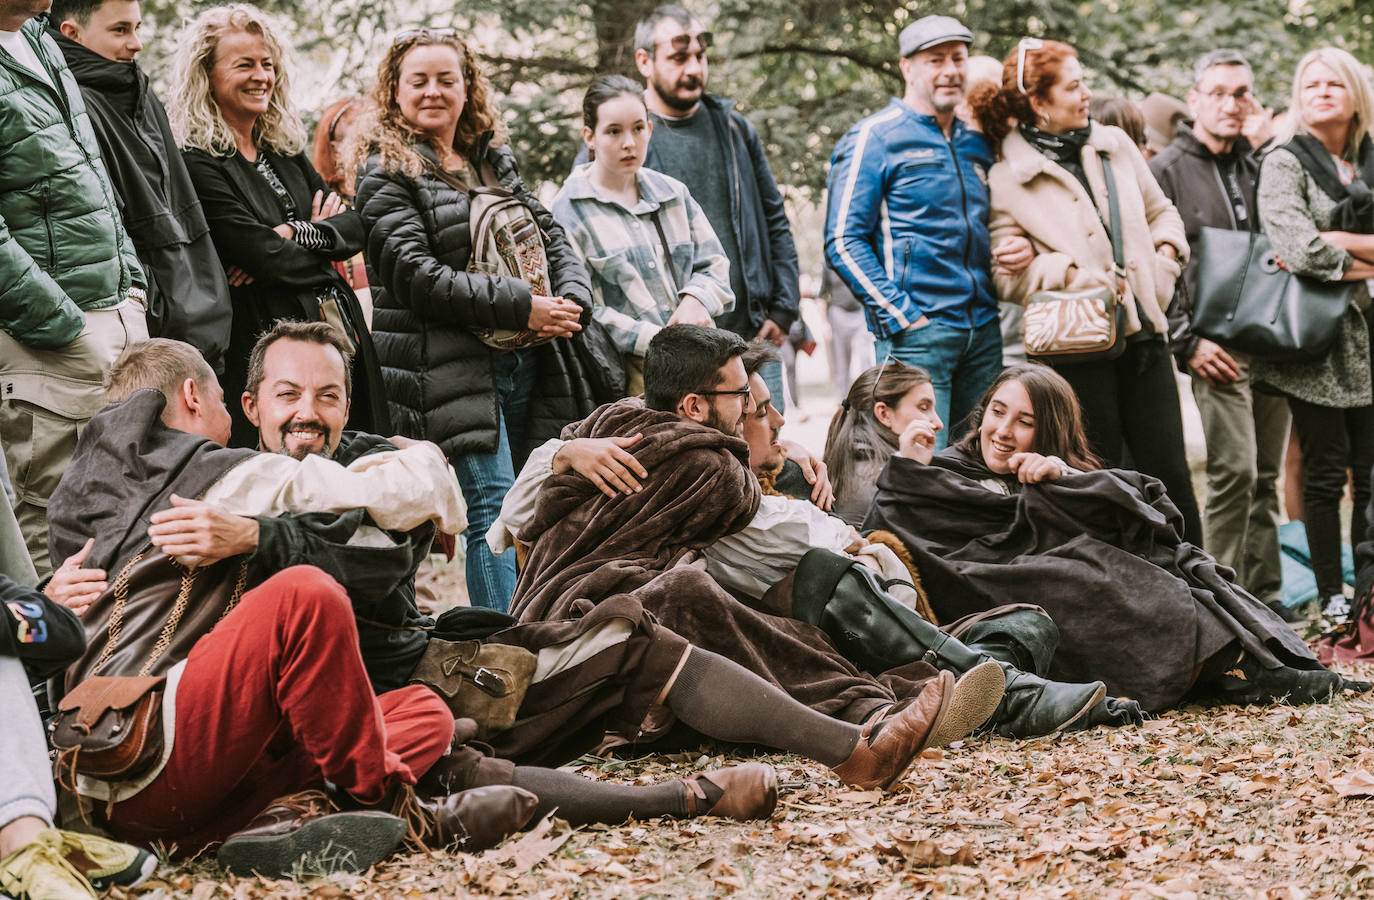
(1032, 468)
(917, 441)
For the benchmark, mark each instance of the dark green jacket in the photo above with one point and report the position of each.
(62, 245)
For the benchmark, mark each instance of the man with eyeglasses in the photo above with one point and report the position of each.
(1209, 172)
(704, 142)
(907, 224)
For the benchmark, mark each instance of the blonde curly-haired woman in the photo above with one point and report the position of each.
(275, 224)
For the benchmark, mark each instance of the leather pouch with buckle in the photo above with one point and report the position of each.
(483, 682)
(110, 727)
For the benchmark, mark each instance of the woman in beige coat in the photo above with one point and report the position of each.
(1050, 187)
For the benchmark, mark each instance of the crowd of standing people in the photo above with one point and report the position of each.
(222, 472)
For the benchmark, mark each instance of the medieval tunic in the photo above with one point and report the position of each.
(1137, 606)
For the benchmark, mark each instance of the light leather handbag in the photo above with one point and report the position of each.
(1086, 325)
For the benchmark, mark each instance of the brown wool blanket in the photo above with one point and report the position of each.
(587, 547)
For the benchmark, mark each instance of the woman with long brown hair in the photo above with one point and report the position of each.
(883, 403)
(1018, 511)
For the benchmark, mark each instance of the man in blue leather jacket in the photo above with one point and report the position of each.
(907, 224)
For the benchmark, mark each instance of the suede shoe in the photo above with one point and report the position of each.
(976, 696)
(38, 871)
(748, 791)
(309, 828)
(103, 862)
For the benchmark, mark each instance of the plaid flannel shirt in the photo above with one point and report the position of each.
(634, 293)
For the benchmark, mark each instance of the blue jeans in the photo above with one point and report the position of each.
(771, 373)
(961, 363)
(486, 477)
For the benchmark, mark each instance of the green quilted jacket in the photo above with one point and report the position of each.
(63, 248)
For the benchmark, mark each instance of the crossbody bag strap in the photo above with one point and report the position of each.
(1114, 227)
(1114, 217)
(667, 253)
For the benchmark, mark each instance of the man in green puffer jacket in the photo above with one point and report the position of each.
(71, 288)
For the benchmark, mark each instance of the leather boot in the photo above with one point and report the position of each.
(876, 633)
(1025, 638)
(1249, 682)
(308, 829)
(471, 820)
(945, 711)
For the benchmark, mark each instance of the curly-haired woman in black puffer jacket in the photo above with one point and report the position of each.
(429, 128)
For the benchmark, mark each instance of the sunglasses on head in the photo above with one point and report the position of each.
(1021, 48)
(682, 43)
(423, 32)
(873, 394)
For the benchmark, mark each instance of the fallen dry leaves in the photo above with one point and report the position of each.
(1274, 803)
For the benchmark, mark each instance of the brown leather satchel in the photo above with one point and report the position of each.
(109, 724)
(483, 682)
(110, 728)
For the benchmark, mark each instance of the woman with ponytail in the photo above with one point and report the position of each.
(1051, 186)
(885, 405)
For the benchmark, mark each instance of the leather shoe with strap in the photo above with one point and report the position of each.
(308, 829)
(471, 820)
(748, 791)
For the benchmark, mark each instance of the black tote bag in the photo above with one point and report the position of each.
(1246, 302)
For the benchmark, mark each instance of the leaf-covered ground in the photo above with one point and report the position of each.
(1273, 802)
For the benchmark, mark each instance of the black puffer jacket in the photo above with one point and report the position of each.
(438, 375)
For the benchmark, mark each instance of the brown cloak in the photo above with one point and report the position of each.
(590, 547)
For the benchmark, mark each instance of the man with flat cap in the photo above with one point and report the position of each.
(907, 224)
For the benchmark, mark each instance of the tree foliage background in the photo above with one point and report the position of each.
(804, 71)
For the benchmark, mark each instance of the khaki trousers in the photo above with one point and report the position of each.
(1246, 432)
(46, 397)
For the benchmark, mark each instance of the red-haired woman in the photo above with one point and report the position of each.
(1051, 187)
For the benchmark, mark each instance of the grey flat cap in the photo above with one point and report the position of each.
(931, 31)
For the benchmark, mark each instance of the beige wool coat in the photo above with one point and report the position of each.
(1036, 197)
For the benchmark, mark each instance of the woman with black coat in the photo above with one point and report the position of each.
(275, 225)
(429, 131)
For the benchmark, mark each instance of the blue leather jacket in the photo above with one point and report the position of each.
(907, 223)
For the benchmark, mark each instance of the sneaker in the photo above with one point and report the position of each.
(1337, 607)
(103, 862)
(307, 830)
(37, 871)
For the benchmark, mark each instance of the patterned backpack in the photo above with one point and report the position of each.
(506, 240)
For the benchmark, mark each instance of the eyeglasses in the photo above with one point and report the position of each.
(1021, 48)
(1219, 97)
(742, 392)
(423, 32)
(682, 43)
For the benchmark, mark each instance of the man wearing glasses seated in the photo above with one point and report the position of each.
(907, 224)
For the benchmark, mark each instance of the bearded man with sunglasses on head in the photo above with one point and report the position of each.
(703, 141)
